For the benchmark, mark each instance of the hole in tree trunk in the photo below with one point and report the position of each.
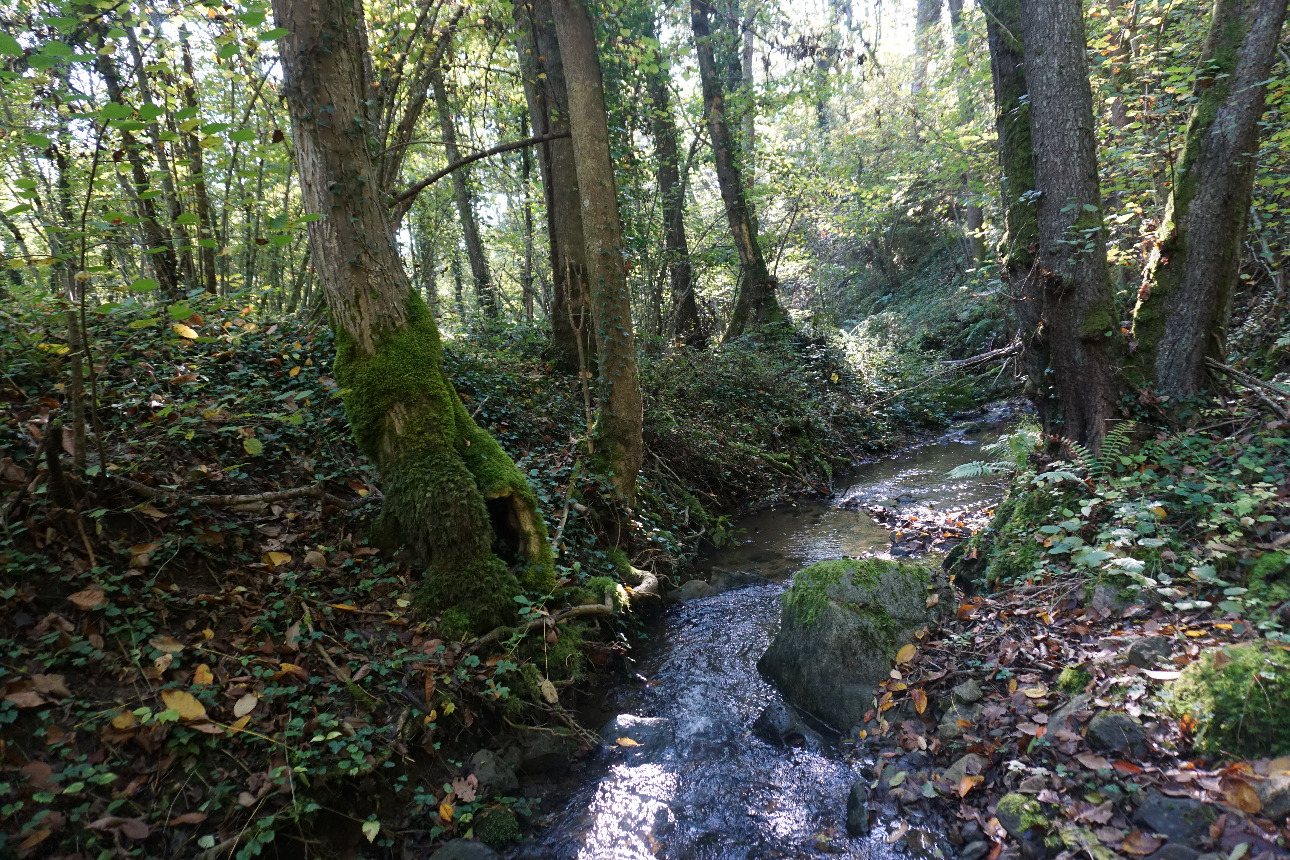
(508, 532)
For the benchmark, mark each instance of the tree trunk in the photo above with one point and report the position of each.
(548, 99)
(205, 225)
(1185, 300)
(451, 493)
(526, 265)
(685, 311)
(926, 24)
(1079, 318)
(619, 445)
(756, 305)
(485, 292)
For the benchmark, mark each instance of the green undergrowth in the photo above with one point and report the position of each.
(270, 646)
(1238, 697)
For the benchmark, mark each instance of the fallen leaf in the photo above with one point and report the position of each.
(125, 720)
(905, 654)
(920, 700)
(184, 331)
(315, 559)
(185, 703)
(445, 811)
(25, 699)
(240, 724)
(464, 789)
(967, 783)
(549, 693)
(370, 829)
(627, 742)
(894, 836)
(131, 828)
(166, 644)
(1162, 674)
(430, 684)
(276, 559)
(187, 818)
(1093, 762)
(1242, 795)
(202, 675)
(965, 611)
(151, 510)
(51, 685)
(1126, 767)
(1035, 692)
(88, 599)
(245, 705)
(1140, 843)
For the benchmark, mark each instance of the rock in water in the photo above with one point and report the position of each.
(465, 849)
(778, 725)
(841, 624)
(858, 809)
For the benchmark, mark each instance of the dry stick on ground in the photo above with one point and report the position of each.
(1254, 384)
(315, 490)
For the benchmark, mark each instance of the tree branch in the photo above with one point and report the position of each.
(315, 490)
(403, 199)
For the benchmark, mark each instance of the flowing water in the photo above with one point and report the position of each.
(708, 789)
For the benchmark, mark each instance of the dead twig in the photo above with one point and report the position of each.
(315, 490)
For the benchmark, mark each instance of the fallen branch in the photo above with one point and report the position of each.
(1254, 384)
(315, 490)
(606, 608)
(987, 357)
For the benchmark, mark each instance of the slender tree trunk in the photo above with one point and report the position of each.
(205, 225)
(548, 99)
(619, 443)
(485, 292)
(926, 24)
(671, 187)
(1079, 317)
(1185, 301)
(526, 265)
(451, 493)
(748, 90)
(756, 305)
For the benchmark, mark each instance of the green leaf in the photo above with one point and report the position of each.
(253, 446)
(9, 46)
(275, 33)
(242, 135)
(39, 141)
(144, 285)
(370, 829)
(229, 50)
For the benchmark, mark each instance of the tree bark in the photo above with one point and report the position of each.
(756, 305)
(926, 23)
(671, 187)
(451, 493)
(1079, 319)
(548, 100)
(619, 444)
(485, 292)
(1185, 300)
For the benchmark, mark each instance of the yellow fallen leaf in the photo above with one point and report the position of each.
(240, 723)
(88, 599)
(905, 654)
(184, 331)
(1035, 692)
(627, 742)
(920, 700)
(124, 720)
(202, 675)
(295, 371)
(276, 559)
(445, 811)
(968, 783)
(185, 703)
(166, 644)
(151, 510)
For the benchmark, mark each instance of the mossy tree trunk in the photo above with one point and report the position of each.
(1081, 325)
(1184, 303)
(671, 188)
(451, 494)
(756, 304)
(1016, 184)
(548, 101)
(618, 439)
(485, 293)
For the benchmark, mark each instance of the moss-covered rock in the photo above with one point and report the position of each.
(841, 624)
(497, 828)
(1073, 680)
(1239, 696)
(1019, 814)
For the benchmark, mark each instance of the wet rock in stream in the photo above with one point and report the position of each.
(779, 725)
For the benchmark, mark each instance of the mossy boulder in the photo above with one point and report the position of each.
(497, 828)
(1239, 696)
(841, 624)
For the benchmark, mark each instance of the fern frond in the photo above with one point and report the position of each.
(1113, 446)
(978, 469)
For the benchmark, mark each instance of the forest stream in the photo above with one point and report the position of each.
(701, 784)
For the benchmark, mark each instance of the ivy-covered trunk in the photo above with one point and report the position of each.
(756, 305)
(671, 189)
(619, 444)
(451, 494)
(1184, 303)
(1079, 391)
(1016, 186)
(548, 100)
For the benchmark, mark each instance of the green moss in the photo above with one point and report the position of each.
(1013, 550)
(565, 659)
(1073, 680)
(1020, 814)
(1268, 582)
(808, 595)
(1239, 704)
(601, 586)
(441, 473)
(497, 828)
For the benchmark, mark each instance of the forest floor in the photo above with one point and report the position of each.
(1070, 723)
(202, 653)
